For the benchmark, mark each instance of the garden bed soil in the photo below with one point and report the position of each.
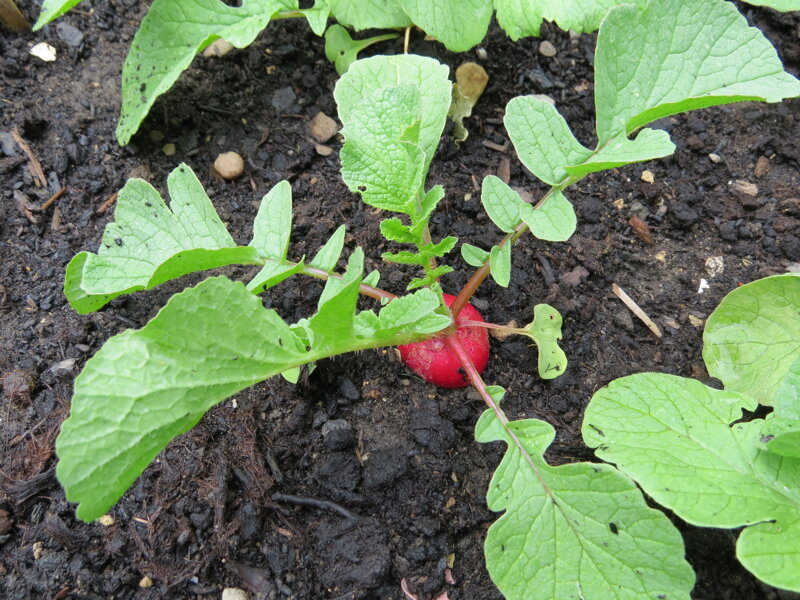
(360, 432)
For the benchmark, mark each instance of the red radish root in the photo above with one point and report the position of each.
(436, 363)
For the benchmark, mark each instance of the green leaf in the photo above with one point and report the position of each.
(368, 76)
(523, 18)
(473, 256)
(273, 224)
(441, 248)
(647, 145)
(415, 309)
(575, 531)
(404, 257)
(272, 273)
(333, 324)
(170, 35)
(753, 336)
(328, 255)
(781, 431)
(52, 9)
(500, 264)
(377, 160)
(149, 244)
(342, 50)
(430, 278)
(317, 18)
(458, 24)
(545, 331)
(145, 387)
(501, 203)
(690, 54)
(781, 5)
(394, 230)
(673, 436)
(369, 14)
(554, 220)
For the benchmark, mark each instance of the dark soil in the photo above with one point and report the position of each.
(362, 432)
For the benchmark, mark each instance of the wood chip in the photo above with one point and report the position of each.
(641, 229)
(745, 187)
(52, 199)
(491, 145)
(101, 210)
(762, 166)
(35, 165)
(634, 308)
(504, 170)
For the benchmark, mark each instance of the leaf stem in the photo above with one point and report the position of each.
(364, 289)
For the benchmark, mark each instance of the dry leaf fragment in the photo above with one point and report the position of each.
(641, 229)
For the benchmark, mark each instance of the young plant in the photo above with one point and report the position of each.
(688, 446)
(579, 530)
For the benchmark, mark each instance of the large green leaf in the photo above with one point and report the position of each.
(677, 56)
(753, 336)
(458, 24)
(578, 531)
(52, 9)
(367, 76)
(149, 244)
(369, 14)
(781, 431)
(170, 35)
(674, 437)
(522, 18)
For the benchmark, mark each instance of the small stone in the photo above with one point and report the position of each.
(38, 550)
(322, 149)
(715, 158)
(647, 176)
(696, 321)
(169, 149)
(481, 53)
(283, 98)
(715, 265)
(762, 166)
(218, 47)
(229, 165)
(234, 594)
(547, 49)
(661, 256)
(106, 520)
(43, 51)
(7, 144)
(323, 127)
(145, 582)
(338, 435)
(745, 187)
(575, 277)
(69, 34)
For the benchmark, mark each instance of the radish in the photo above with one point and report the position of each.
(436, 363)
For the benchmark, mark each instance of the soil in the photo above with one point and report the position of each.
(216, 509)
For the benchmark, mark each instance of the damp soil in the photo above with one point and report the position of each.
(396, 479)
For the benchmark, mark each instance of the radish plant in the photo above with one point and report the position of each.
(575, 531)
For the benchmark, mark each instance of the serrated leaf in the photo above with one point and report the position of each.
(377, 161)
(554, 220)
(441, 248)
(523, 18)
(144, 387)
(458, 24)
(273, 223)
(327, 256)
(501, 203)
(545, 331)
(148, 243)
(673, 436)
(394, 230)
(52, 9)
(415, 309)
(753, 336)
(430, 278)
(473, 256)
(500, 264)
(690, 54)
(369, 14)
(170, 35)
(404, 257)
(369, 75)
(575, 531)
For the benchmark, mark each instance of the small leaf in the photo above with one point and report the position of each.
(328, 255)
(545, 331)
(673, 436)
(500, 264)
(580, 530)
(317, 18)
(691, 54)
(554, 220)
(417, 308)
(458, 24)
(332, 326)
(404, 257)
(273, 224)
(753, 337)
(342, 50)
(272, 273)
(394, 230)
(430, 278)
(473, 256)
(441, 248)
(51, 10)
(501, 203)
(471, 80)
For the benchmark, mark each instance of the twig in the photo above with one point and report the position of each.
(628, 301)
(52, 200)
(107, 204)
(36, 166)
(323, 504)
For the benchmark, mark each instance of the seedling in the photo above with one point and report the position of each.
(579, 530)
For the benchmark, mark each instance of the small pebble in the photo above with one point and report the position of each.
(145, 582)
(106, 520)
(695, 321)
(322, 149)
(169, 149)
(234, 594)
(38, 549)
(323, 127)
(745, 187)
(44, 51)
(762, 166)
(647, 176)
(481, 53)
(715, 158)
(218, 47)
(229, 165)
(547, 49)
